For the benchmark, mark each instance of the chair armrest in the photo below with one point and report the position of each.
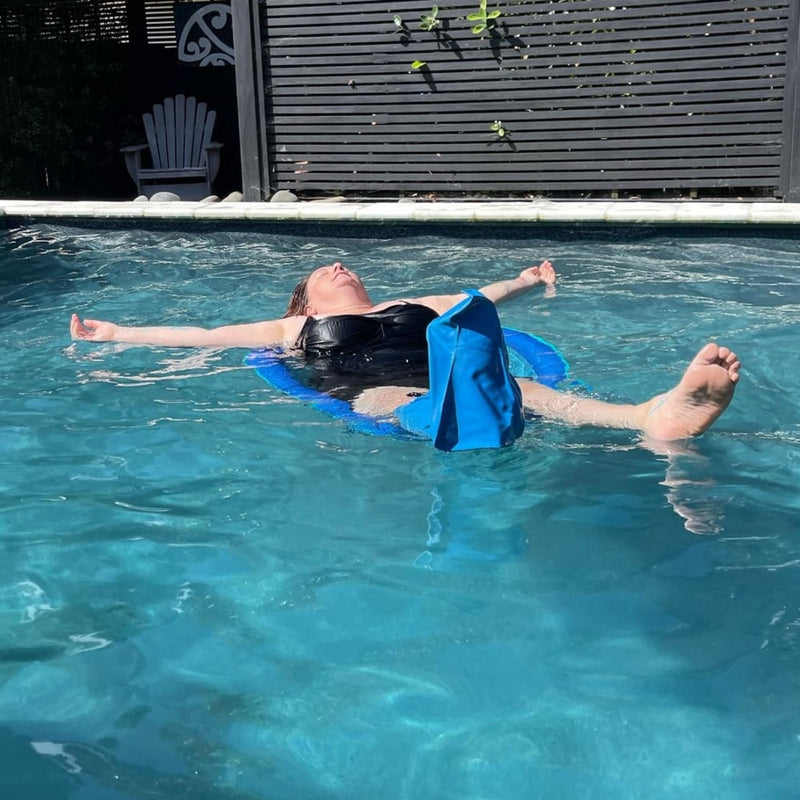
(133, 160)
(212, 158)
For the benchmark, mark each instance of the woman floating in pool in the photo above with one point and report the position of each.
(332, 318)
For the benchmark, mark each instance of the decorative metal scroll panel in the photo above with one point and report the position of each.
(590, 97)
(205, 36)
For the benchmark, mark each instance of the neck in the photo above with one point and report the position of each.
(344, 308)
(345, 305)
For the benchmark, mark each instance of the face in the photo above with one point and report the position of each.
(328, 285)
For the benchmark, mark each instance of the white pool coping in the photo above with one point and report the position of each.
(629, 212)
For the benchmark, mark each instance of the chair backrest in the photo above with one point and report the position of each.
(178, 131)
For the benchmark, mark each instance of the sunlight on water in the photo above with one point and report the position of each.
(209, 590)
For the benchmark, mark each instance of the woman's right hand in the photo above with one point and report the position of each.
(92, 330)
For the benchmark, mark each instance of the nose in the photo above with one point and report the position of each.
(337, 266)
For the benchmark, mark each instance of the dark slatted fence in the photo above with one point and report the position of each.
(592, 97)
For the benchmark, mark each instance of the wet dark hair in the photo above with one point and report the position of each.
(299, 300)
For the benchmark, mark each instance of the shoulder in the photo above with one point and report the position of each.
(283, 331)
(405, 306)
(440, 303)
(292, 326)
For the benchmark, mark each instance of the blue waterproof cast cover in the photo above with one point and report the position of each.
(473, 402)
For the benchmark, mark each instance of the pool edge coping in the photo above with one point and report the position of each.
(630, 212)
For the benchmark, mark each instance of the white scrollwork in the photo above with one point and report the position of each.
(199, 43)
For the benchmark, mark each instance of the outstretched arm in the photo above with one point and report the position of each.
(256, 334)
(527, 279)
(497, 292)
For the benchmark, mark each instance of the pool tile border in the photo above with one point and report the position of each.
(698, 212)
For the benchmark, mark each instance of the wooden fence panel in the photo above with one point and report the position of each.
(592, 97)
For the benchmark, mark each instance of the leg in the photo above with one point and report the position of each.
(383, 401)
(691, 407)
(703, 393)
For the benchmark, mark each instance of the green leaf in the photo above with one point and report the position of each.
(428, 22)
(479, 28)
(494, 14)
(474, 17)
(398, 20)
(418, 64)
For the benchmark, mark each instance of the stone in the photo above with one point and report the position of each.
(233, 197)
(165, 197)
(283, 196)
(212, 198)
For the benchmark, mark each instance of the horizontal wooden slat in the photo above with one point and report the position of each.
(536, 184)
(516, 17)
(562, 107)
(773, 65)
(599, 120)
(361, 30)
(576, 183)
(587, 94)
(616, 48)
(754, 55)
(298, 10)
(502, 156)
(582, 127)
(498, 166)
(542, 151)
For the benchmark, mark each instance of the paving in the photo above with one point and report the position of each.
(630, 212)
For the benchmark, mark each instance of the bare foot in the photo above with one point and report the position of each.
(704, 392)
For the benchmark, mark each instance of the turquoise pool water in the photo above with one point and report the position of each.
(210, 591)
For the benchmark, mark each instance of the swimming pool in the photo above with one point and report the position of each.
(210, 591)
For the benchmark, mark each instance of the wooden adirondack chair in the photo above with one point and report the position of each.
(184, 159)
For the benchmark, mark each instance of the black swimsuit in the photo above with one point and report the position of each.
(352, 352)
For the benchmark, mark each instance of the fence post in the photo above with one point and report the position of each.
(250, 99)
(790, 143)
(137, 24)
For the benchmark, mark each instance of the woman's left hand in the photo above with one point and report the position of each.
(544, 273)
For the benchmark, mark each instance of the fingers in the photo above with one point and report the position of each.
(548, 272)
(544, 273)
(75, 327)
(82, 330)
